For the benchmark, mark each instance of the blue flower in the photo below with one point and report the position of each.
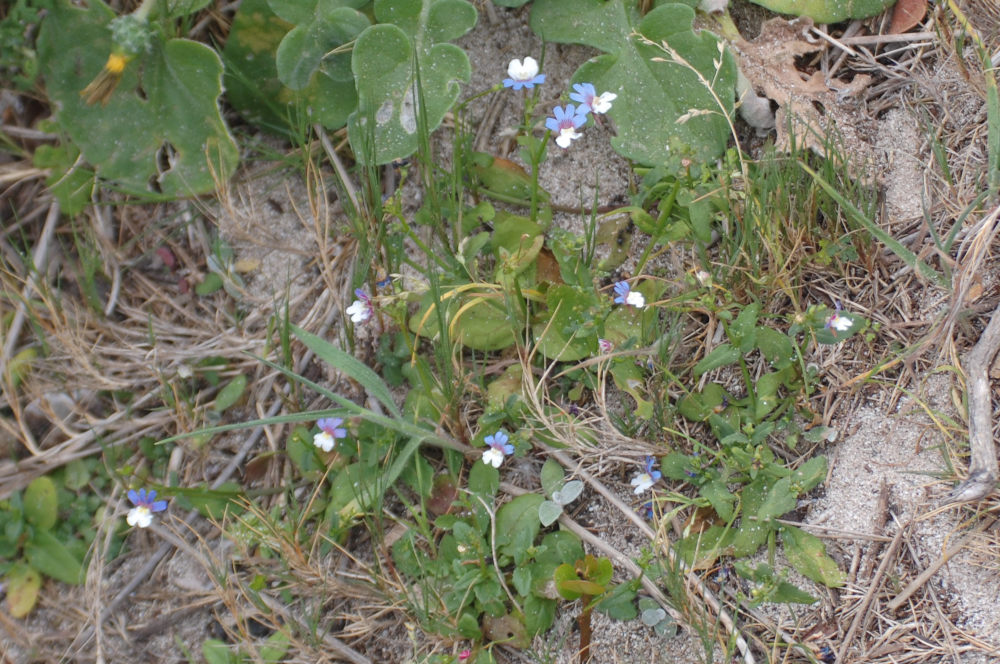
(645, 480)
(145, 504)
(625, 295)
(523, 74)
(330, 430)
(565, 124)
(589, 99)
(499, 449)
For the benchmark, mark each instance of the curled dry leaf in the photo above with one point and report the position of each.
(810, 108)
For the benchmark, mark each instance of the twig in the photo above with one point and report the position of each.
(925, 576)
(39, 260)
(873, 586)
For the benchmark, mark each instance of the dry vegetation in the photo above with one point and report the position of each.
(107, 299)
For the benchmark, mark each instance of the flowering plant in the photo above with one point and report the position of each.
(145, 505)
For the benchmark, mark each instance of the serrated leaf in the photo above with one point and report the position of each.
(653, 96)
(392, 83)
(807, 554)
(163, 134)
(826, 11)
(41, 503)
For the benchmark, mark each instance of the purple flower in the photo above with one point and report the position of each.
(605, 346)
(565, 124)
(589, 99)
(625, 295)
(523, 74)
(499, 449)
(645, 480)
(145, 504)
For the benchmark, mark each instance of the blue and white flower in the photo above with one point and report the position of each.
(523, 74)
(330, 430)
(498, 450)
(646, 479)
(589, 100)
(145, 505)
(625, 295)
(565, 124)
(361, 309)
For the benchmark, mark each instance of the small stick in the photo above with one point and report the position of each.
(873, 586)
(925, 576)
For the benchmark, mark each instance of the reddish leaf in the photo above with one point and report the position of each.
(906, 15)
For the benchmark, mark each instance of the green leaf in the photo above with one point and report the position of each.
(252, 84)
(569, 333)
(807, 554)
(570, 492)
(41, 503)
(70, 182)
(721, 356)
(776, 347)
(549, 512)
(51, 557)
(722, 500)
(697, 407)
(780, 500)
(231, 393)
(275, 647)
(350, 366)
(539, 614)
(161, 134)
(652, 95)
(518, 525)
(404, 74)
(218, 652)
(23, 584)
(484, 480)
(628, 377)
(551, 475)
(827, 11)
(306, 47)
(619, 603)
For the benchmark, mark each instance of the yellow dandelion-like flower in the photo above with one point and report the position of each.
(100, 89)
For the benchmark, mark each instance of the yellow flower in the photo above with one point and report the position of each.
(100, 89)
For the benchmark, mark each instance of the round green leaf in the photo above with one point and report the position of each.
(41, 503)
(23, 584)
(827, 11)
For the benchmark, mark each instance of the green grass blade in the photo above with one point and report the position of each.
(350, 366)
(892, 243)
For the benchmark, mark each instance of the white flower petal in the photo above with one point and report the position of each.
(359, 312)
(523, 71)
(493, 457)
(566, 136)
(636, 299)
(642, 482)
(324, 441)
(841, 323)
(602, 104)
(139, 516)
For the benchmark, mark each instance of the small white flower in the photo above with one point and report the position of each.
(645, 480)
(361, 309)
(636, 299)
(839, 323)
(523, 71)
(566, 136)
(493, 457)
(139, 516)
(324, 441)
(602, 104)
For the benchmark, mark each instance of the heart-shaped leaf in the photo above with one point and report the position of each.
(668, 105)
(160, 130)
(570, 492)
(405, 74)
